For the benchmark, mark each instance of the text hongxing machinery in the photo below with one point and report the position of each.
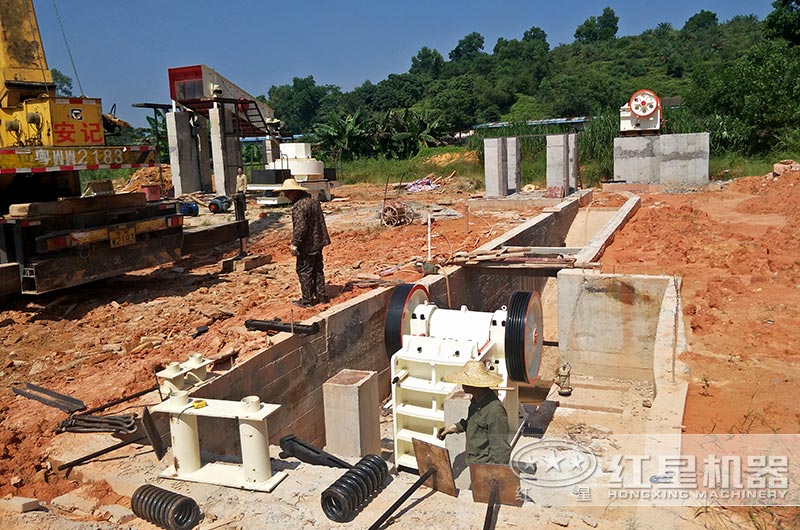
(426, 343)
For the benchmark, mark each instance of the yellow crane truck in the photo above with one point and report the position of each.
(50, 236)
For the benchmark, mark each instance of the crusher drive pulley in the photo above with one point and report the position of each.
(425, 343)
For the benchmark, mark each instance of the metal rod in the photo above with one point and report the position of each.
(275, 325)
(49, 398)
(487, 522)
(101, 452)
(393, 508)
(120, 400)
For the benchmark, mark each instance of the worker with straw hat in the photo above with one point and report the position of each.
(486, 423)
(309, 237)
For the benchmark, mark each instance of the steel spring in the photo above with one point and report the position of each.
(165, 509)
(353, 489)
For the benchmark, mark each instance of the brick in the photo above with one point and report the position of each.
(19, 504)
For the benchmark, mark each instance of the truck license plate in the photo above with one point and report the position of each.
(120, 238)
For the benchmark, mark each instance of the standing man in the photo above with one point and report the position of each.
(241, 181)
(309, 237)
(486, 423)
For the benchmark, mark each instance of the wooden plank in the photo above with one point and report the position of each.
(205, 238)
(554, 250)
(78, 205)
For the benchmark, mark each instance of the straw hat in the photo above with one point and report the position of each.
(474, 373)
(291, 184)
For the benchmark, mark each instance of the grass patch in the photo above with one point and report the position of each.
(376, 170)
(727, 166)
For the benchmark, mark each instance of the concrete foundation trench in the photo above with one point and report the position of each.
(620, 333)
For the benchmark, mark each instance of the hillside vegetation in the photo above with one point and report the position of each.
(738, 80)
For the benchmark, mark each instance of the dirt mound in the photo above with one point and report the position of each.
(149, 175)
(445, 159)
(739, 256)
(772, 194)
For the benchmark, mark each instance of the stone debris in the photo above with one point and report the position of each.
(114, 514)
(561, 519)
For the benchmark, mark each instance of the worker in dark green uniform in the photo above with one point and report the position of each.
(486, 423)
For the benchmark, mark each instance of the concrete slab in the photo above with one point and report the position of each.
(79, 501)
(19, 504)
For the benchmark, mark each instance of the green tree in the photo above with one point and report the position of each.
(63, 83)
(784, 21)
(296, 105)
(702, 21)
(468, 48)
(457, 101)
(602, 28)
(401, 133)
(752, 102)
(520, 65)
(427, 64)
(607, 24)
(343, 137)
(396, 92)
(157, 133)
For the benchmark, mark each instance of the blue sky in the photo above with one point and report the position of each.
(122, 50)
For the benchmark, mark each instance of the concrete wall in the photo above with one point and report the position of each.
(183, 154)
(562, 164)
(495, 166)
(292, 370)
(684, 158)
(669, 159)
(608, 322)
(225, 150)
(514, 174)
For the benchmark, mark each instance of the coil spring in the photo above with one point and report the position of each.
(353, 489)
(165, 509)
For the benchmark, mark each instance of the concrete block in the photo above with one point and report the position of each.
(495, 163)
(352, 417)
(115, 513)
(121, 485)
(246, 263)
(78, 501)
(514, 175)
(456, 406)
(19, 504)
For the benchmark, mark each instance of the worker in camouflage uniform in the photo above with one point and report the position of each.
(486, 423)
(309, 237)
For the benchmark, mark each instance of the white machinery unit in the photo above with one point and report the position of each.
(641, 113)
(425, 343)
(307, 170)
